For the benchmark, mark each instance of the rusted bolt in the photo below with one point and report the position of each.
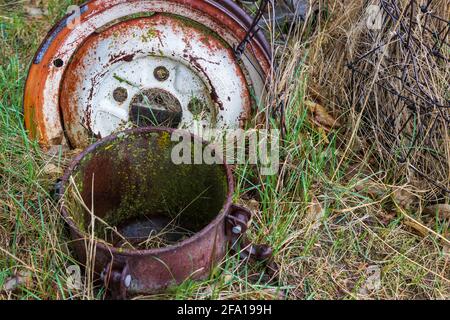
(237, 229)
(120, 94)
(161, 73)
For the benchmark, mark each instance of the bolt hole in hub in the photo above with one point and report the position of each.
(156, 107)
(58, 63)
(92, 74)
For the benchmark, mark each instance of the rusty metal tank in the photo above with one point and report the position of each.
(129, 183)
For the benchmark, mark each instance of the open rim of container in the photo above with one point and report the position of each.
(136, 252)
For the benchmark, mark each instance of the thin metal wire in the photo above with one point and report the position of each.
(253, 30)
(401, 80)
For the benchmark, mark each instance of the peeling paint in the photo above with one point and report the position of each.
(42, 93)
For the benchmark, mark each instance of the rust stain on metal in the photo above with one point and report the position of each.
(214, 95)
(122, 57)
(140, 159)
(150, 270)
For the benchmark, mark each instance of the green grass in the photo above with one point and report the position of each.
(326, 226)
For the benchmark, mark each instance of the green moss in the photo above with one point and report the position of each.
(135, 178)
(151, 34)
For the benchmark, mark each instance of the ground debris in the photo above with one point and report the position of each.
(36, 8)
(321, 117)
(373, 189)
(35, 12)
(315, 214)
(416, 226)
(52, 170)
(21, 279)
(442, 210)
(405, 198)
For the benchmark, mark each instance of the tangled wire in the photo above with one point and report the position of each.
(400, 83)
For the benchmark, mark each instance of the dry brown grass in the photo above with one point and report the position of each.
(367, 210)
(377, 120)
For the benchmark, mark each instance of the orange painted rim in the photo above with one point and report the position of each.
(42, 113)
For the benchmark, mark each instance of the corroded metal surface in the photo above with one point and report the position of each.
(142, 159)
(42, 95)
(188, 62)
(129, 181)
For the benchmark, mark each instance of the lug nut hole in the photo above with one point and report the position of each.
(58, 63)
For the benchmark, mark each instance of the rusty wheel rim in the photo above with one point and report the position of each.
(77, 233)
(68, 98)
